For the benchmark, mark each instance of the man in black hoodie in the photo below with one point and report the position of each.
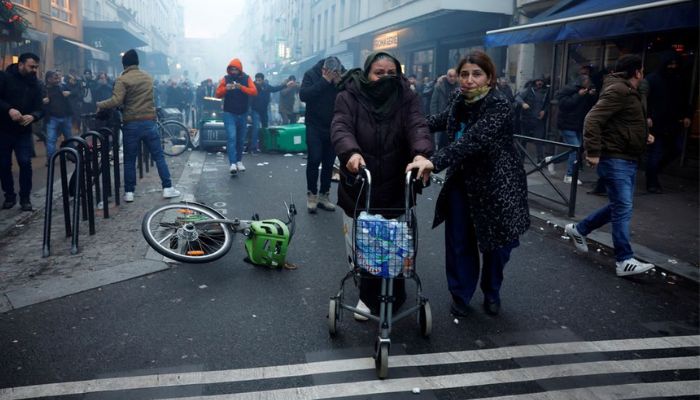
(20, 106)
(258, 108)
(318, 91)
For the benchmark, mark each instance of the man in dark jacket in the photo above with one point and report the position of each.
(58, 112)
(439, 100)
(533, 101)
(614, 135)
(258, 108)
(575, 101)
(669, 112)
(318, 90)
(287, 99)
(20, 105)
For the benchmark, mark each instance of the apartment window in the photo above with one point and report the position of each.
(60, 9)
(341, 17)
(24, 3)
(325, 29)
(332, 25)
(354, 11)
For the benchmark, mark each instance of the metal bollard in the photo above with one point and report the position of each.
(86, 182)
(100, 167)
(66, 203)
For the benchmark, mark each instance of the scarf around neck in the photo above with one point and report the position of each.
(474, 95)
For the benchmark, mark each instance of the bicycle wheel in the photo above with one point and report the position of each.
(171, 231)
(174, 137)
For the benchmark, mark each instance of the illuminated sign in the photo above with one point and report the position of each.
(388, 40)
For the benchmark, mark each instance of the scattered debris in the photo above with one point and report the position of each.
(456, 321)
(203, 286)
(289, 155)
(416, 390)
(672, 261)
(565, 237)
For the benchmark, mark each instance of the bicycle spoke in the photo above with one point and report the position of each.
(166, 237)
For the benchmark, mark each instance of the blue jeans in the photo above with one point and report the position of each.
(21, 144)
(54, 126)
(133, 133)
(462, 264)
(321, 152)
(259, 121)
(235, 126)
(571, 137)
(618, 176)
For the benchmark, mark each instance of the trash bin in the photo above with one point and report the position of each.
(285, 138)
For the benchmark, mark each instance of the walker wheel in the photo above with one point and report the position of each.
(425, 319)
(333, 317)
(381, 359)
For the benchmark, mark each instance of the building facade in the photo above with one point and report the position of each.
(55, 35)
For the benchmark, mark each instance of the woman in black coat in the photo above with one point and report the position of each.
(377, 123)
(484, 199)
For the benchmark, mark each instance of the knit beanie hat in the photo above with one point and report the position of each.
(130, 58)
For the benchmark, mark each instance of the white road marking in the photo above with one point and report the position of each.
(462, 380)
(323, 367)
(628, 391)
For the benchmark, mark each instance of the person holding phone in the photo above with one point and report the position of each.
(318, 90)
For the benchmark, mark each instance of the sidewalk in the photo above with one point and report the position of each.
(664, 226)
(116, 252)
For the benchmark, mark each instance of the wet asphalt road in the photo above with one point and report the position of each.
(229, 315)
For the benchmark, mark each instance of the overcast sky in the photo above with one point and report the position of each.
(210, 18)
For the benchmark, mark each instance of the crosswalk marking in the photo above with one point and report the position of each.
(629, 391)
(281, 371)
(461, 380)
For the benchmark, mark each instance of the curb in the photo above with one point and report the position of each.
(153, 262)
(660, 260)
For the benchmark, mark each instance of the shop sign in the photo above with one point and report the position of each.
(389, 40)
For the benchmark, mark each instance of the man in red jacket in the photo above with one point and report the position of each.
(235, 88)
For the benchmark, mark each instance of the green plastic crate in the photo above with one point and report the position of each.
(285, 138)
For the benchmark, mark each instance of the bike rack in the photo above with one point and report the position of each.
(86, 182)
(114, 135)
(569, 202)
(62, 152)
(100, 165)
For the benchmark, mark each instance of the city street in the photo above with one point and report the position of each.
(568, 325)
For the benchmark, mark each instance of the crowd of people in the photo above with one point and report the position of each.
(377, 117)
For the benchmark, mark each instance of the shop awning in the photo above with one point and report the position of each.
(97, 54)
(113, 34)
(596, 19)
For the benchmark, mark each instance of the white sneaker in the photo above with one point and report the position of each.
(632, 266)
(233, 169)
(579, 239)
(362, 307)
(240, 166)
(550, 167)
(171, 192)
(129, 197)
(567, 179)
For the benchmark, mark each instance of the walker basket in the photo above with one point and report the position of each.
(385, 247)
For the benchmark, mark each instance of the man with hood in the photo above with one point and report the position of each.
(318, 90)
(439, 100)
(615, 135)
(133, 91)
(20, 105)
(669, 114)
(235, 88)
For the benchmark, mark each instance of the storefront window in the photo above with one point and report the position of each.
(423, 64)
(455, 55)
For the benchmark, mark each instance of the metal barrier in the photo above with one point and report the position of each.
(569, 202)
(62, 153)
(86, 189)
(99, 168)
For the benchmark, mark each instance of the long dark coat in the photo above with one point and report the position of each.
(386, 147)
(489, 165)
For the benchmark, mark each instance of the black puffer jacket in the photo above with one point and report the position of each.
(573, 107)
(485, 159)
(355, 130)
(319, 96)
(22, 93)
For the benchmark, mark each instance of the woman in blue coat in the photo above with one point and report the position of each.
(484, 199)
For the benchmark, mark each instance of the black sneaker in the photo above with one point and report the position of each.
(458, 309)
(492, 307)
(8, 204)
(26, 206)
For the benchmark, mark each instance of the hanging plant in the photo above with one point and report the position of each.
(12, 22)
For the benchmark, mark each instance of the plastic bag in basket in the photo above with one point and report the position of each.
(384, 247)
